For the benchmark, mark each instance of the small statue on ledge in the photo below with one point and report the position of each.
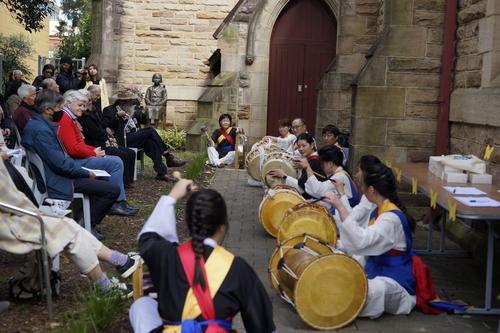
(156, 101)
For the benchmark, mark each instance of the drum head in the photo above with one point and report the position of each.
(273, 208)
(331, 292)
(310, 219)
(278, 162)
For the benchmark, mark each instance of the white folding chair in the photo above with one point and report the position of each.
(42, 253)
(139, 156)
(40, 187)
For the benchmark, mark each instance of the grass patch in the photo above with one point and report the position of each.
(196, 165)
(99, 310)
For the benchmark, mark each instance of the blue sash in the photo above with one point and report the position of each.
(398, 266)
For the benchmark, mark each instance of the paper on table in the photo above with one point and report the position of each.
(98, 173)
(478, 201)
(463, 190)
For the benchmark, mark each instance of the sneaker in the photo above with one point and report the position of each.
(97, 234)
(119, 209)
(56, 207)
(134, 260)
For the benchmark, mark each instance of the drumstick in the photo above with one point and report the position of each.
(319, 199)
(177, 175)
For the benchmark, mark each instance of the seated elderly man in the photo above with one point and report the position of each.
(89, 156)
(64, 174)
(21, 235)
(123, 120)
(23, 113)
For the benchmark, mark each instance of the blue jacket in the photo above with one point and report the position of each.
(40, 136)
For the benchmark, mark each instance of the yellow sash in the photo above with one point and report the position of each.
(217, 267)
(222, 137)
(386, 206)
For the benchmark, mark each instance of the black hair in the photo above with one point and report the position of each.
(332, 154)
(367, 160)
(383, 181)
(226, 115)
(205, 213)
(331, 129)
(285, 123)
(47, 99)
(309, 138)
(48, 66)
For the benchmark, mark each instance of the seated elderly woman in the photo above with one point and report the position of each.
(89, 156)
(65, 175)
(23, 113)
(21, 235)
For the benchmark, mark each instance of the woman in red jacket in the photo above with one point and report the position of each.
(70, 134)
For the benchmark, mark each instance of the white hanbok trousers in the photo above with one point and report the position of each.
(213, 157)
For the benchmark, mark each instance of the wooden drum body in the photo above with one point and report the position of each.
(275, 204)
(310, 219)
(253, 158)
(327, 288)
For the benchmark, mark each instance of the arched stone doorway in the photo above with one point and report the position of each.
(303, 43)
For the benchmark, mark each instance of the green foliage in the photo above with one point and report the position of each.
(173, 137)
(76, 41)
(76, 9)
(15, 49)
(30, 13)
(196, 166)
(99, 311)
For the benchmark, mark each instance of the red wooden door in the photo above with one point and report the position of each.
(302, 45)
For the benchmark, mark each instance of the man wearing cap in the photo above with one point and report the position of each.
(65, 79)
(122, 118)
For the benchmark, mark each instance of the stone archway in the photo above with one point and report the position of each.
(257, 56)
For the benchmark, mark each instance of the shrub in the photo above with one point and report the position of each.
(16, 49)
(173, 137)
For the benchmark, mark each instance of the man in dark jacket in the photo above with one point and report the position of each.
(65, 79)
(123, 119)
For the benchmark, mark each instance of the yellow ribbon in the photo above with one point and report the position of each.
(398, 173)
(217, 266)
(434, 198)
(487, 152)
(388, 163)
(414, 186)
(452, 209)
(137, 281)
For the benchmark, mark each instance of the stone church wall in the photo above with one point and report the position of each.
(171, 37)
(395, 100)
(475, 103)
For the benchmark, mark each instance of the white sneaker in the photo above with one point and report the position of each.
(56, 207)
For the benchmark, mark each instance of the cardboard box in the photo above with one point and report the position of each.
(484, 178)
(454, 177)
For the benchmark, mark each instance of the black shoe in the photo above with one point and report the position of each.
(165, 178)
(119, 209)
(97, 234)
(126, 205)
(134, 260)
(172, 161)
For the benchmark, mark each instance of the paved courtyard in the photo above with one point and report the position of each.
(459, 278)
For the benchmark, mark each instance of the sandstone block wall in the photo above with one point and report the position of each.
(359, 27)
(171, 37)
(475, 102)
(395, 103)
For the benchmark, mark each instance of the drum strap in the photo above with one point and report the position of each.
(199, 301)
(225, 135)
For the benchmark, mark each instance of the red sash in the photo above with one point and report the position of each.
(203, 297)
(313, 158)
(226, 135)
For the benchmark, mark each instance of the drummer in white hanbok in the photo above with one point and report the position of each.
(286, 139)
(330, 158)
(386, 242)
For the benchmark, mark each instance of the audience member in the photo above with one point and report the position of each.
(65, 78)
(50, 84)
(23, 113)
(48, 72)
